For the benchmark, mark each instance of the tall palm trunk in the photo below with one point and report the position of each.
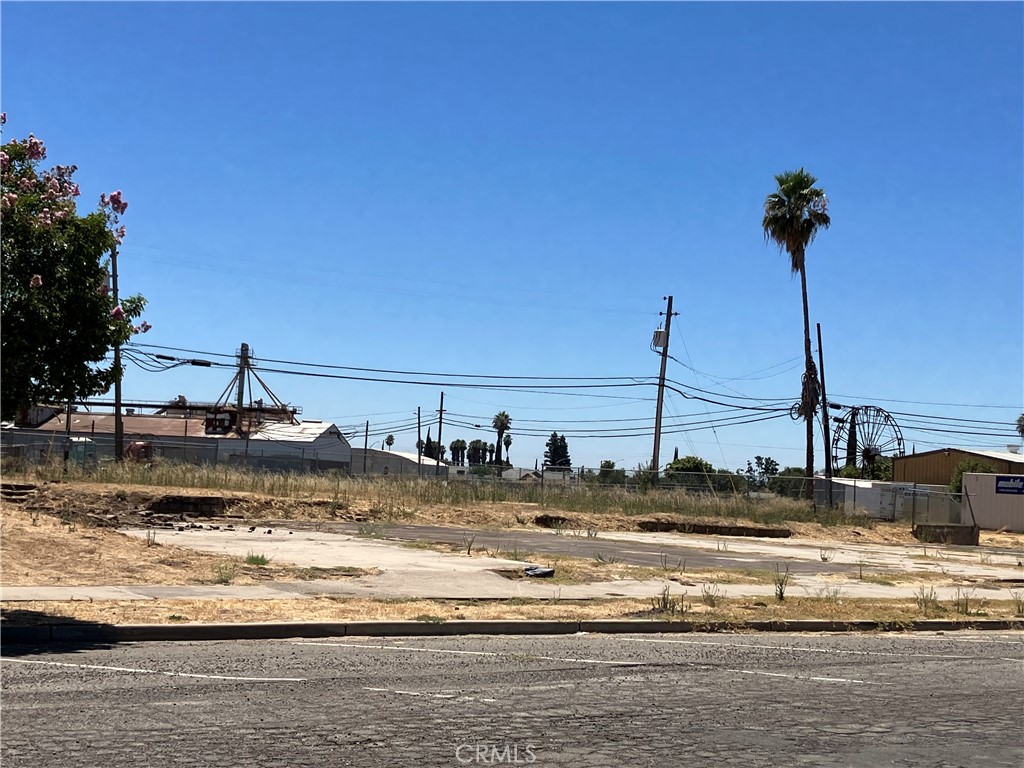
(808, 395)
(497, 446)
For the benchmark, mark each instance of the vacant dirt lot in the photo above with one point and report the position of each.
(119, 504)
(58, 535)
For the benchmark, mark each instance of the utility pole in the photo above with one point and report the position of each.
(67, 437)
(118, 423)
(440, 423)
(419, 443)
(668, 314)
(824, 419)
(243, 368)
(366, 445)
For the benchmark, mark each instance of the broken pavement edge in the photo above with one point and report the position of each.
(57, 634)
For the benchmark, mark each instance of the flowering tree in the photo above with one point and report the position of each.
(59, 317)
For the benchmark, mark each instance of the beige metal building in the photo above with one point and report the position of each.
(374, 461)
(937, 467)
(996, 501)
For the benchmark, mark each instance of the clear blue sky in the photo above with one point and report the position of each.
(511, 190)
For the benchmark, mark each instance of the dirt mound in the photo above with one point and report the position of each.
(109, 507)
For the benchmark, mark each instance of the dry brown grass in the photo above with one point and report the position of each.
(352, 609)
(1002, 540)
(47, 552)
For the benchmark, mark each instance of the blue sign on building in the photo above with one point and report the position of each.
(1010, 484)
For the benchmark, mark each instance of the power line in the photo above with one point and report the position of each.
(922, 402)
(948, 418)
(676, 428)
(642, 419)
(155, 363)
(396, 372)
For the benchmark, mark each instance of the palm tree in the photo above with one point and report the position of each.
(793, 214)
(1020, 425)
(477, 452)
(389, 441)
(490, 453)
(458, 452)
(507, 442)
(501, 422)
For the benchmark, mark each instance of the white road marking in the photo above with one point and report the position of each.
(160, 672)
(798, 648)
(470, 653)
(804, 677)
(424, 694)
(982, 640)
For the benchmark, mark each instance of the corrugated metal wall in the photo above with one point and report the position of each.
(937, 467)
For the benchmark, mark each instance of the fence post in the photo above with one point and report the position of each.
(913, 508)
(970, 507)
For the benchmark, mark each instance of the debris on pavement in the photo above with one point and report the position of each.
(539, 572)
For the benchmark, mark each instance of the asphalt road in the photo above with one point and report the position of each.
(585, 700)
(629, 552)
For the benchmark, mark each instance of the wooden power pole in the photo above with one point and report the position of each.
(656, 459)
(440, 424)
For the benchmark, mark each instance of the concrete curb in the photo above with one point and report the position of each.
(83, 634)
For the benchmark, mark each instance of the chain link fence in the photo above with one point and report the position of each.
(89, 452)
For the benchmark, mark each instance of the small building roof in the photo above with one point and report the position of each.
(410, 456)
(193, 427)
(103, 424)
(1013, 458)
(303, 432)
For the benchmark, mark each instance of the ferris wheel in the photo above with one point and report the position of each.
(864, 434)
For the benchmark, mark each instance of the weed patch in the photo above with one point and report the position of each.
(253, 558)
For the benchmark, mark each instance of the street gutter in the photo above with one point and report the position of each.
(59, 634)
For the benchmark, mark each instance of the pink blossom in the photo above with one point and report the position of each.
(25, 184)
(60, 215)
(103, 290)
(136, 329)
(8, 199)
(117, 203)
(3, 118)
(36, 148)
(36, 281)
(5, 161)
(72, 190)
(145, 327)
(117, 313)
(119, 234)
